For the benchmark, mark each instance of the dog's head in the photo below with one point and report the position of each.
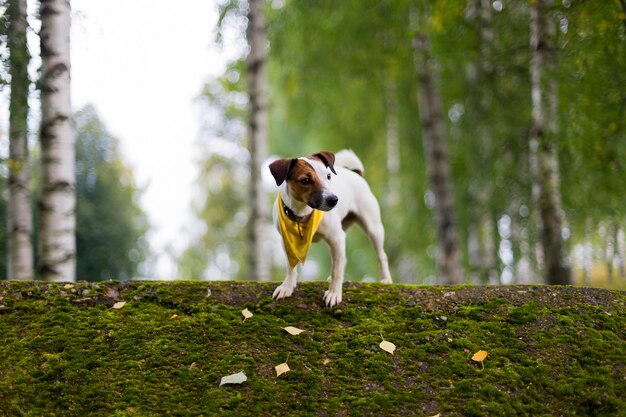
(308, 179)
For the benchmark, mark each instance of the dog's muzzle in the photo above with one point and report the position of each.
(326, 203)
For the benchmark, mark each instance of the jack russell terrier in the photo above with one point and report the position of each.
(313, 203)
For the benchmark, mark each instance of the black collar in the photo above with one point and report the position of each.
(291, 215)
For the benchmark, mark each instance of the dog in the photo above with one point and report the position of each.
(319, 197)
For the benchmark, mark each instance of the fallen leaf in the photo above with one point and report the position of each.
(387, 346)
(68, 286)
(281, 369)
(326, 361)
(246, 314)
(119, 305)
(480, 356)
(174, 317)
(293, 330)
(192, 366)
(238, 378)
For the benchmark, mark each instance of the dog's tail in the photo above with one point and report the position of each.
(349, 160)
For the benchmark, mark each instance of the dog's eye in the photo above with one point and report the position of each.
(328, 176)
(305, 181)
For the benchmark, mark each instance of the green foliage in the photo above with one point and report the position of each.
(66, 351)
(342, 75)
(110, 224)
(333, 67)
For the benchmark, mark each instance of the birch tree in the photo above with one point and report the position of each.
(257, 138)
(543, 142)
(57, 243)
(482, 253)
(20, 223)
(433, 136)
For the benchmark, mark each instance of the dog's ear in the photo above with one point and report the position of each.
(280, 169)
(328, 158)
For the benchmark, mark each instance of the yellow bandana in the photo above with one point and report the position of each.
(297, 236)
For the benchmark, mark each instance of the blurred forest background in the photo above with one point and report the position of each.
(492, 132)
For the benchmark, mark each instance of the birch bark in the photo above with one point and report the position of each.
(543, 147)
(431, 117)
(258, 257)
(20, 221)
(57, 242)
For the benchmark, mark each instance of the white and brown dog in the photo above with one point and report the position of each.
(334, 184)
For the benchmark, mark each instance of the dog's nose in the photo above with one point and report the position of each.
(332, 200)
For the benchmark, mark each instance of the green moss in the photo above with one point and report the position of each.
(66, 352)
(524, 314)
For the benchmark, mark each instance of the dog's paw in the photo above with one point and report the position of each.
(332, 298)
(283, 291)
(386, 280)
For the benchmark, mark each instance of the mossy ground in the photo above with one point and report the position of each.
(552, 350)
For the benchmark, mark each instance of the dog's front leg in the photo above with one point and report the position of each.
(285, 289)
(337, 245)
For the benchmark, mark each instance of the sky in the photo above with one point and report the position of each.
(142, 64)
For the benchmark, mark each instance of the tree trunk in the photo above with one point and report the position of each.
(20, 220)
(484, 257)
(431, 118)
(588, 252)
(58, 199)
(619, 246)
(543, 149)
(609, 251)
(259, 266)
(392, 194)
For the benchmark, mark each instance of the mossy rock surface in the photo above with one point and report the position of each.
(553, 351)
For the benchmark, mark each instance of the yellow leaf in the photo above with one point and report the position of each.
(68, 286)
(480, 356)
(246, 314)
(119, 305)
(326, 361)
(281, 369)
(387, 346)
(174, 317)
(293, 330)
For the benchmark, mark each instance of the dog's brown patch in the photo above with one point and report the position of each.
(304, 183)
(327, 158)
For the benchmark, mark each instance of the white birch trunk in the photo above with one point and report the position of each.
(20, 221)
(544, 159)
(259, 265)
(57, 241)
